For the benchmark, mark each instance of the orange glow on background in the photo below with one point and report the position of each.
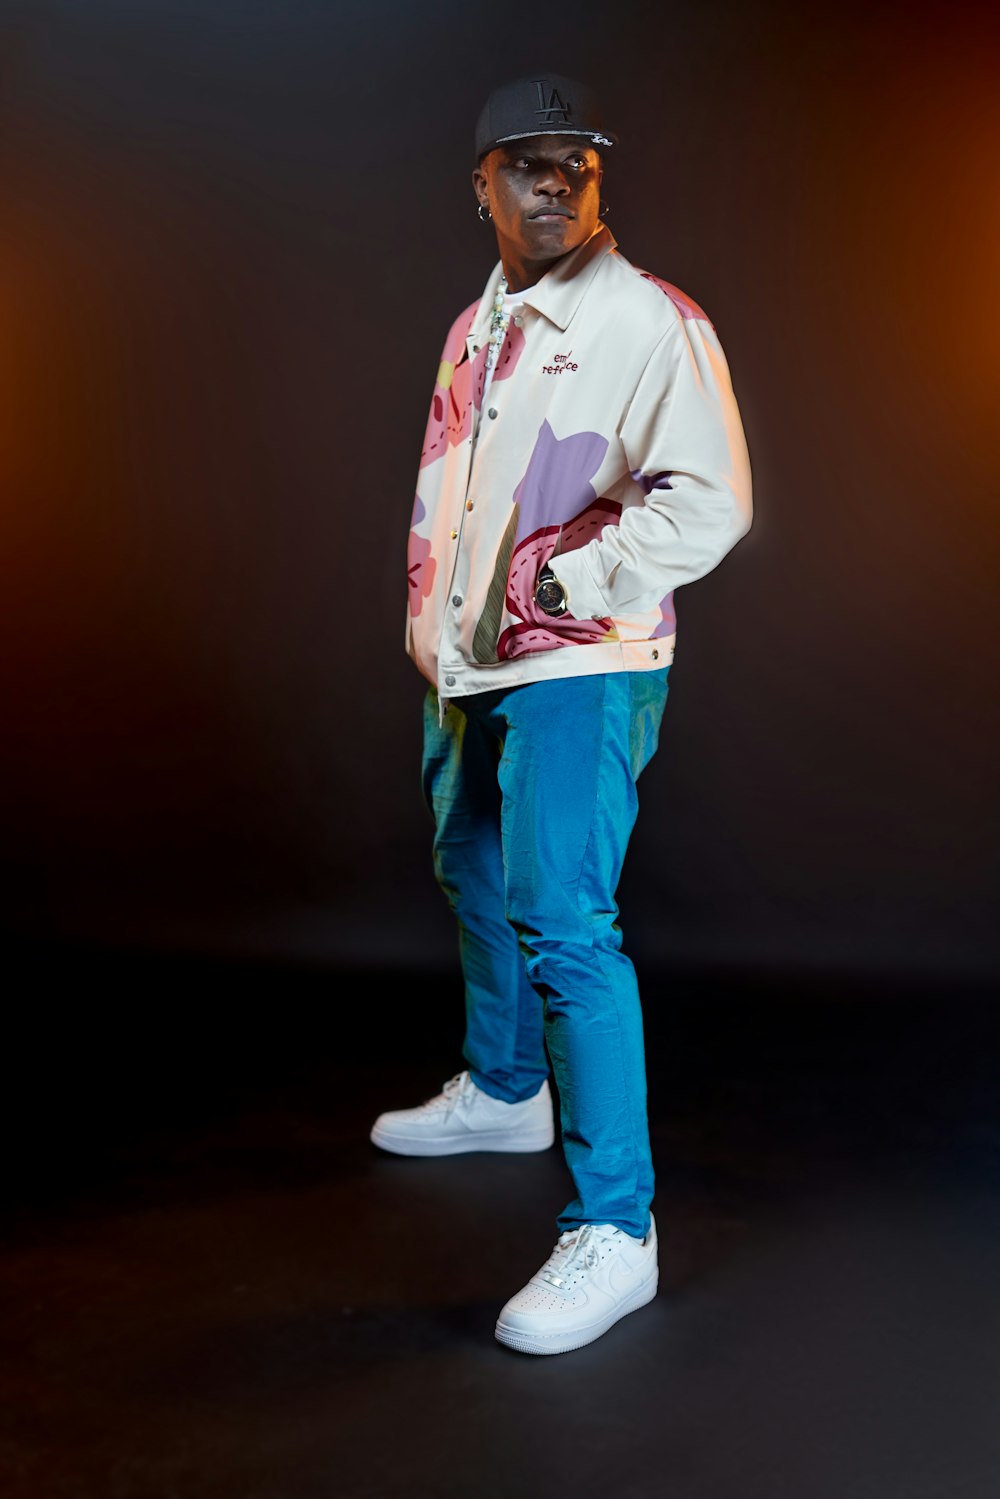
(220, 331)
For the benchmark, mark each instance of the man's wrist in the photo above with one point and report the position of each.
(550, 595)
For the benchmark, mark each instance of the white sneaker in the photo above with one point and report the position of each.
(594, 1276)
(462, 1117)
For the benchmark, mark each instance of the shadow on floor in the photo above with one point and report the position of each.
(213, 1286)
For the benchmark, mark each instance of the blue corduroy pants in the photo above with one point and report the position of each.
(533, 795)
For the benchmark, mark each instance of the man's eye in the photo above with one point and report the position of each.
(578, 163)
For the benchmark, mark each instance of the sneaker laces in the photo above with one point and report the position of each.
(576, 1250)
(453, 1091)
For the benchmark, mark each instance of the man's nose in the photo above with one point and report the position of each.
(551, 180)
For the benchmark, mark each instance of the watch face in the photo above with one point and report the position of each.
(550, 596)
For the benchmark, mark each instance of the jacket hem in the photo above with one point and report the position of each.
(462, 680)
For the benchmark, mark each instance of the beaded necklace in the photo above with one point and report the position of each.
(498, 321)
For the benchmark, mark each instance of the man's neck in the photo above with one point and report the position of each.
(520, 276)
(520, 273)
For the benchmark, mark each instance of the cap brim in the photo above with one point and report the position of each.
(596, 137)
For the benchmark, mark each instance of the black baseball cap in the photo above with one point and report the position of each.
(541, 104)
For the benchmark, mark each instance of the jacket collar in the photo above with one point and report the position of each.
(561, 290)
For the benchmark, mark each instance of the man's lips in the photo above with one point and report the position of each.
(551, 210)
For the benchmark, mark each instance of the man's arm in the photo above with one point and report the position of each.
(684, 442)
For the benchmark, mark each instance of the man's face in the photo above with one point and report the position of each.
(544, 194)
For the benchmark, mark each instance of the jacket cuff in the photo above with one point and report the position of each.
(584, 599)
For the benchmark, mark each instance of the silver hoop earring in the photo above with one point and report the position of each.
(604, 210)
(484, 217)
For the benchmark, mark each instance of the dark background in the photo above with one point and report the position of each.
(233, 238)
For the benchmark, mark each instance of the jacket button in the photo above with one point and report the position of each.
(492, 413)
(470, 504)
(475, 348)
(454, 535)
(449, 681)
(656, 655)
(518, 321)
(456, 599)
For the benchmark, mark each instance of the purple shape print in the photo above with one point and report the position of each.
(647, 482)
(556, 507)
(668, 618)
(556, 486)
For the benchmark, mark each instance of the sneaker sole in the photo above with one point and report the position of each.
(565, 1342)
(463, 1145)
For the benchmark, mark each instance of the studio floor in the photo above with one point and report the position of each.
(213, 1286)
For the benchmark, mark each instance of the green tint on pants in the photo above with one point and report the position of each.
(533, 795)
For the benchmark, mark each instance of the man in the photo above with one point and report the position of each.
(584, 456)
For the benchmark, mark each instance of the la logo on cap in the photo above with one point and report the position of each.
(554, 108)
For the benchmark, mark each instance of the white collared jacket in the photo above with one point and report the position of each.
(611, 448)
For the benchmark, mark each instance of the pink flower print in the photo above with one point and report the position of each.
(458, 387)
(458, 390)
(684, 305)
(420, 565)
(537, 631)
(510, 352)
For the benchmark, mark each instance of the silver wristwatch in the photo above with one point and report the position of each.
(550, 595)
